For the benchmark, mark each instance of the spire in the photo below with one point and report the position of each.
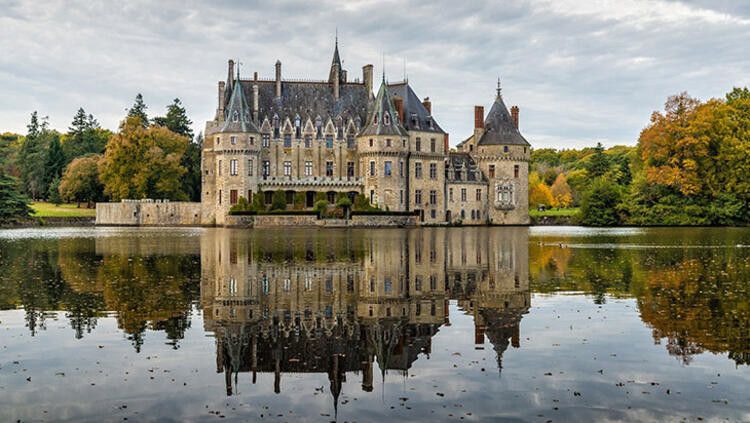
(500, 128)
(238, 114)
(383, 117)
(336, 62)
(499, 88)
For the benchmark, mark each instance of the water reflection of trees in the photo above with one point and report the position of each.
(694, 299)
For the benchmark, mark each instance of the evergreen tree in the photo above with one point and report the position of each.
(600, 204)
(177, 121)
(84, 137)
(139, 110)
(597, 165)
(13, 204)
(32, 156)
(55, 163)
(53, 192)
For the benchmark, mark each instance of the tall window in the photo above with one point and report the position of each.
(329, 141)
(219, 167)
(433, 197)
(450, 194)
(250, 168)
(266, 142)
(387, 142)
(233, 167)
(433, 170)
(287, 168)
(418, 170)
(308, 141)
(401, 196)
(329, 169)
(372, 168)
(266, 168)
(515, 171)
(479, 195)
(287, 140)
(350, 169)
(463, 194)
(418, 144)
(492, 171)
(418, 197)
(371, 142)
(401, 169)
(233, 196)
(233, 140)
(387, 169)
(350, 141)
(308, 168)
(505, 149)
(252, 140)
(372, 197)
(432, 145)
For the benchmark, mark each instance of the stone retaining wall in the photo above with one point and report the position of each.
(148, 213)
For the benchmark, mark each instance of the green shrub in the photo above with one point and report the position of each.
(278, 201)
(258, 204)
(320, 196)
(321, 206)
(361, 203)
(299, 200)
(242, 206)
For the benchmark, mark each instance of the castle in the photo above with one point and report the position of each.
(334, 136)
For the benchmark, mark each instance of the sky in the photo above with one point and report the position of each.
(580, 71)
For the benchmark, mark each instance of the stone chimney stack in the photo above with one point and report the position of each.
(398, 102)
(367, 79)
(427, 105)
(278, 79)
(255, 76)
(255, 103)
(336, 79)
(446, 144)
(514, 115)
(220, 114)
(478, 117)
(230, 76)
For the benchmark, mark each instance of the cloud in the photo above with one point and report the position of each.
(580, 71)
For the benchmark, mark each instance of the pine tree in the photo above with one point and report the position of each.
(33, 154)
(55, 163)
(598, 164)
(84, 137)
(53, 192)
(13, 204)
(177, 121)
(139, 110)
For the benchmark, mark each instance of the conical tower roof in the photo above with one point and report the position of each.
(383, 118)
(238, 118)
(499, 126)
(334, 63)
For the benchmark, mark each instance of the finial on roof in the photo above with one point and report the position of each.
(499, 88)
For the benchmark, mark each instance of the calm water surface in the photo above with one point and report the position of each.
(445, 324)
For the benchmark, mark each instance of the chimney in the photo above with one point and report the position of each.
(478, 117)
(427, 105)
(255, 102)
(336, 78)
(447, 144)
(278, 79)
(367, 79)
(399, 103)
(255, 76)
(343, 76)
(514, 115)
(221, 102)
(230, 76)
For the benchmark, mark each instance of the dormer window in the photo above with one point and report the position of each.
(375, 120)
(505, 149)
(297, 122)
(387, 118)
(235, 116)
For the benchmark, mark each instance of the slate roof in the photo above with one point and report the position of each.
(382, 119)
(238, 105)
(499, 127)
(416, 116)
(464, 162)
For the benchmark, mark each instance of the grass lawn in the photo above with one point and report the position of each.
(61, 210)
(555, 212)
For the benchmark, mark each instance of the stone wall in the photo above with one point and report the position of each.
(311, 221)
(149, 213)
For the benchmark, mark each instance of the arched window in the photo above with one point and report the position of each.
(387, 118)
(235, 116)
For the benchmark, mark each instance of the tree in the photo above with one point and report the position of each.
(53, 192)
(561, 192)
(549, 177)
(143, 163)
(139, 111)
(597, 164)
(540, 194)
(177, 121)
(84, 137)
(258, 203)
(55, 163)
(299, 200)
(600, 204)
(13, 204)
(33, 155)
(80, 182)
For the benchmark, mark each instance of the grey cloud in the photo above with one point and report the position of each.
(580, 71)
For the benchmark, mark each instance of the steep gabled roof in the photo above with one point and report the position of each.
(416, 116)
(382, 119)
(238, 117)
(499, 126)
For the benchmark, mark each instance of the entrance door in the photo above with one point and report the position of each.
(448, 216)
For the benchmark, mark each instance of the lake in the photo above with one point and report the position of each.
(428, 324)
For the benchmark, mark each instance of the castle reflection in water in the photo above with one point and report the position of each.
(356, 302)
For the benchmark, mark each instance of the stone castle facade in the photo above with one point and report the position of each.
(336, 136)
